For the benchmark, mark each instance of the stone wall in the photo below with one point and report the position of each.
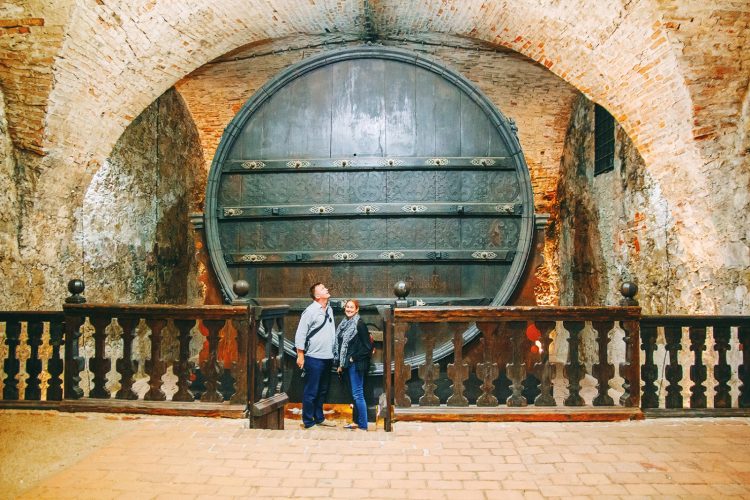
(136, 238)
(612, 227)
(9, 206)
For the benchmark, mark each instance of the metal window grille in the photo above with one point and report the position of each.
(604, 141)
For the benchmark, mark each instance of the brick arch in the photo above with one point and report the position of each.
(620, 57)
(149, 46)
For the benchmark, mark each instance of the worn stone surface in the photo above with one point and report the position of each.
(9, 207)
(609, 228)
(137, 240)
(217, 457)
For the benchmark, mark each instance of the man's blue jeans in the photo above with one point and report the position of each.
(357, 381)
(317, 379)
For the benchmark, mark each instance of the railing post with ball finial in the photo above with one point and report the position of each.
(630, 369)
(73, 362)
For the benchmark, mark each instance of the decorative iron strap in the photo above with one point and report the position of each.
(484, 162)
(265, 258)
(252, 164)
(232, 212)
(372, 209)
(372, 163)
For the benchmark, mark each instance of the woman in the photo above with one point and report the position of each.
(352, 351)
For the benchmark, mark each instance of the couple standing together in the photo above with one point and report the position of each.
(321, 347)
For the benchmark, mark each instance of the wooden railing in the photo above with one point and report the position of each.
(233, 366)
(505, 353)
(696, 365)
(42, 335)
(670, 343)
(266, 373)
(228, 323)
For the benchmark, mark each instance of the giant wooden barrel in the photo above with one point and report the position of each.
(366, 166)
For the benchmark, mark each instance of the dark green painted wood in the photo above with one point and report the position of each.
(474, 129)
(400, 110)
(447, 104)
(358, 120)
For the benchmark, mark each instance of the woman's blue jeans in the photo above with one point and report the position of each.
(357, 381)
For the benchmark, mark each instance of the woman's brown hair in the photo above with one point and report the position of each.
(353, 301)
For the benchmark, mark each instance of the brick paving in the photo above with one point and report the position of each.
(171, 457)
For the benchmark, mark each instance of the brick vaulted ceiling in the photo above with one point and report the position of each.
(94, 65)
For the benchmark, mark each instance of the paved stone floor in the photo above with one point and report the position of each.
(171, 457)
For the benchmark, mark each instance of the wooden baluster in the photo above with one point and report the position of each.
(55, 363)
(252, 356)
(99, 365)
(279, 359)
(239, 368)
(429, 373)
(387, 398)
(649, 370)
(34, 363)
(722, 370)
(673, 371)
(155, 366)
(516, 369)
(574, 371)
(629, 370)
(458, 372)
(125, 366)
(402, 372)
(544, 370)
(698, 372)
(603, 371)
(182, 366)
(11, 364)
(743, 335)
(267, 368)
(211, 368)
(487, 371)
(73, 362)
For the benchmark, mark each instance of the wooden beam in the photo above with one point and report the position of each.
(170, 408)
(469, 314)
(525, 414)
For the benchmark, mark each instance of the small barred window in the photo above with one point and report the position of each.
(604, 141)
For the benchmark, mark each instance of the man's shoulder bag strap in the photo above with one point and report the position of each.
(316, 330)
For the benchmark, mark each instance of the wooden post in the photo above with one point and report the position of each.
(387, 375)
(251, 363)
(73, 362)
(630, 369)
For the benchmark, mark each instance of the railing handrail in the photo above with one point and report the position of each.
(697, 320)
(158, 311)
(24, 316)
(448, 314)
(275, 311)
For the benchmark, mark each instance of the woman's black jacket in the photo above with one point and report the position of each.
(360, 348)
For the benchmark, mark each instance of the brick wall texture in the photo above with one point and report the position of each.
(674, 73)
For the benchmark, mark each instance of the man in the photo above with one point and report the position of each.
(314, 343)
